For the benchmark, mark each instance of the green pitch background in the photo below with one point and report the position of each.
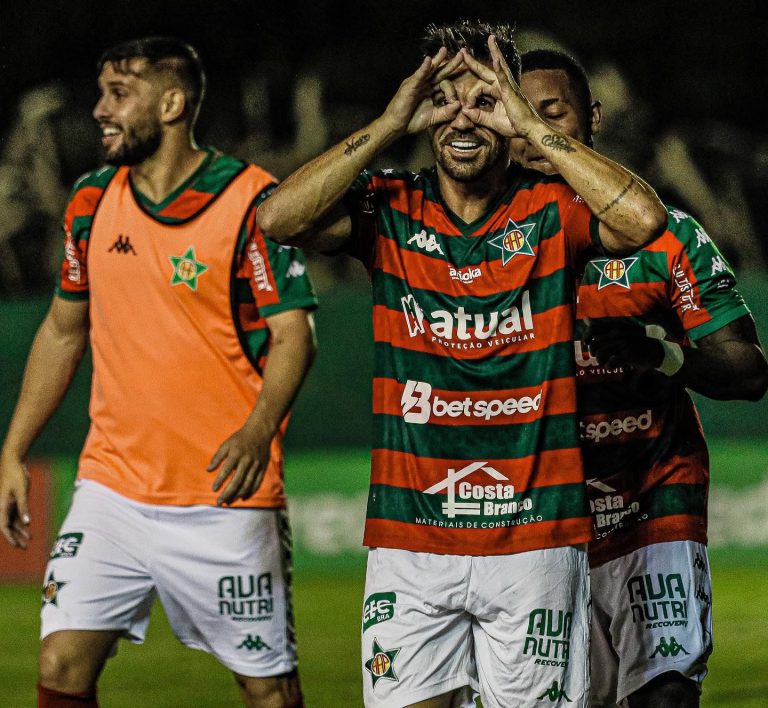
(327, 492)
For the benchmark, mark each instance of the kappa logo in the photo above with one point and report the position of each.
(668, 648)
(613, 271)
(554, 693)
(514, 241)
(718, 265)
(295, 270)
(122, 245)
(250, 643)
(426, 241)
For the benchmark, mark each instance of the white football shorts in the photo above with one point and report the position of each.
(651, 613)
(514, 628)
(222, 576)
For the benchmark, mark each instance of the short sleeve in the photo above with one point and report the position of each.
(581, 230)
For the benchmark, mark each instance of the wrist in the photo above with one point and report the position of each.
(673, 360)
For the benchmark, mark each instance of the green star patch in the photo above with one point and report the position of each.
(187, 269)
(382, 664)
(613, 271)
(51, 590)
(514, 241)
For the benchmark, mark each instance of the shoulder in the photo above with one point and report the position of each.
(87, 192)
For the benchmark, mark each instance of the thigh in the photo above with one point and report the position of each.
(97, 576)
(416, 635)
(660, 600)
(604, 662)
(532, 627)
(224, 579)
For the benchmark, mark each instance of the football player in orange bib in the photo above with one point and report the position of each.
(201, 334)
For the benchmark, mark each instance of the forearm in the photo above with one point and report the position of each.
(310, 193)
(50, 367)
(287, 365)
(622, 201)
(735, 371)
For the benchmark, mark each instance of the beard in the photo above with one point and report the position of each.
(470, 170)
(138, 143)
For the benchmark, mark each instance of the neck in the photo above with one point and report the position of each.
(174, 162)
(470, 200)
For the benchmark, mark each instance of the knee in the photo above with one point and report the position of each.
(59, 670)
(669, 690)
(271, 692)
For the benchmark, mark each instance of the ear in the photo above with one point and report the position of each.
(596, 117)
(172, 105)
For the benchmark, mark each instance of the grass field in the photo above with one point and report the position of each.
(164, 674)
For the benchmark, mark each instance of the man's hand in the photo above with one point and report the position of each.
(623, 345)
(412, 109)
(244, 455)
(499, 83)
(14, 505)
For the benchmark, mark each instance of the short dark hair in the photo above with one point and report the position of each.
(167, 55)
(552, 60)
(473, 35)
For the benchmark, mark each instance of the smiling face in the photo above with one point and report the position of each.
(128, 113)
(463, 150)
(551, 94)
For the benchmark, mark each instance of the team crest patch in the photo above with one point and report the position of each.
(514, 242)
(613, 271)
(51, 590)
(187, 269)
(382, 664)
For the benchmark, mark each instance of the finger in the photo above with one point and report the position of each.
(438, 59)
(252, 481)
(218, 456)
(449, 90)
(229, 464)
(232, 490)
(478, 68)
(448, 68)
(445, 114)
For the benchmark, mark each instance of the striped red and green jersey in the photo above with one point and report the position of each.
(268, 279)
(645, 457)
(476, 447)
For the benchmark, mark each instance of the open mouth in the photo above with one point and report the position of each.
(110, 134)
(464, 148)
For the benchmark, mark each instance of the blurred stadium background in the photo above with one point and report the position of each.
(682, 85)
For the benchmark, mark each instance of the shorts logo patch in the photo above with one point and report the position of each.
(554, 693)
(659, 600)
(549, 637)
(251, 642)
(379, 607)
(668, 648)
(382, 664)
(67, 545)
(51, 590)
(246, 598)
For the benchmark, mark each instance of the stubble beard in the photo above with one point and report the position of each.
(139, 143)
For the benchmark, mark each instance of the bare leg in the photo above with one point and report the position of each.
(71, 660)
(669, 690)
(271, 692)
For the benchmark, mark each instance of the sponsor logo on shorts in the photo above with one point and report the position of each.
(51, 590)
(658, 600)
(419, 405)
(67, 545)
(253, 643)
(462, 498)
(668, 648)
(246, 598)
(378, 608)
(382, 664)
(554, 693)
(549, 637)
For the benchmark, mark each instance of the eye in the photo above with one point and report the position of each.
(439, 100)
(485, 102)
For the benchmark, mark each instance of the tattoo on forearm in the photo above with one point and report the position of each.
(557, 142)
(355, 143)
(614, 202)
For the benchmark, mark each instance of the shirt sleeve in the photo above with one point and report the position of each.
(580, 228)
(702, 285)
(76, 230)
(361, 201)
(274, 278)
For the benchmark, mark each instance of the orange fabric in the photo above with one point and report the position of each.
(170, 381)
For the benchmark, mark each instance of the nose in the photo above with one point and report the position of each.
(461, 122)
(100, 109)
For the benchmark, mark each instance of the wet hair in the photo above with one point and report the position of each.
(166, 55)
(472, 35)
(552, 60)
